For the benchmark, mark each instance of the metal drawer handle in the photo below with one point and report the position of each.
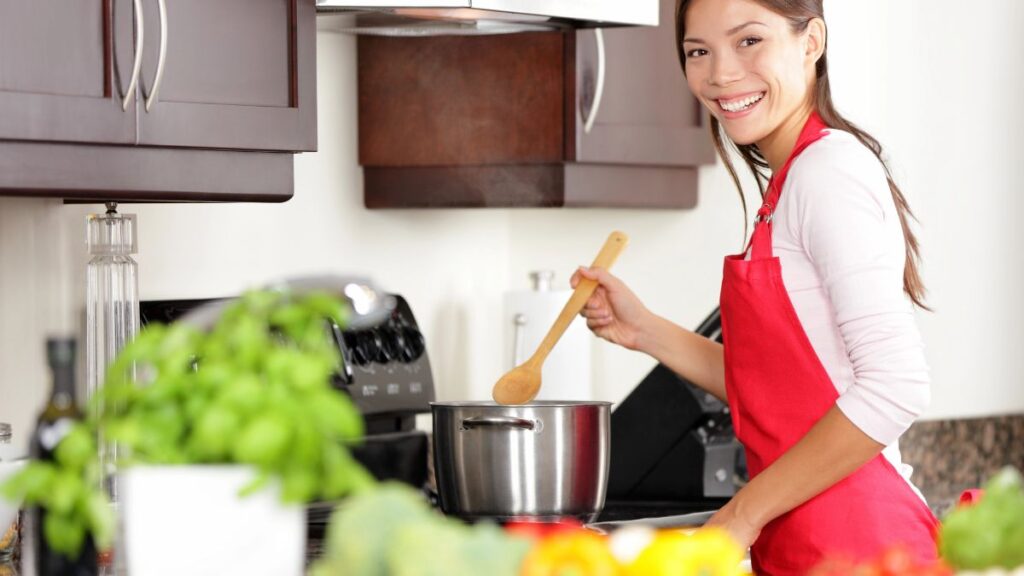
(588, 125)
(498, 422)
(140, 36)
(151, 99)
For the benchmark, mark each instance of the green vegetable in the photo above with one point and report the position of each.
(391, 531)
(990, 533)
(256, 389)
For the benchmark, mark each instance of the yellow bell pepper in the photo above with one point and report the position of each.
(578, 553)
(707, 552)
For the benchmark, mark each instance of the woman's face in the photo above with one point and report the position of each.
(747, 66)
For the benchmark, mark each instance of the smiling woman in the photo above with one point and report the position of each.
(821, 363)
(765, 56)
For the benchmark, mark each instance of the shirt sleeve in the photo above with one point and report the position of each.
(849, 227)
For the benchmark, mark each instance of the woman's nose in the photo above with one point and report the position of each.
(725, 70)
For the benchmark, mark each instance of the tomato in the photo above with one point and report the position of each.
(896, 561)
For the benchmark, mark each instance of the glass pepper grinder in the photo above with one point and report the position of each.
(112, 306)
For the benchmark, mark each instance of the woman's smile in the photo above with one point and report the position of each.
(739, 105)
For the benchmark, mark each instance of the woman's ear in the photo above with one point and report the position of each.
(817, 35)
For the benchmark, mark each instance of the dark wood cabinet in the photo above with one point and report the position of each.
(234, 83)
(499, 121)
(237, 74)
(62, 71)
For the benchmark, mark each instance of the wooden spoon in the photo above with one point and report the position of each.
(521, 384)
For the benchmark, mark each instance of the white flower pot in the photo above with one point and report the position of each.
(179, 520)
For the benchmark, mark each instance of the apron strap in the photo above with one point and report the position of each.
(761, 240)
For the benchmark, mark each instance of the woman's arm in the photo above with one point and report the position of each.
(831, 450)
(615, 314)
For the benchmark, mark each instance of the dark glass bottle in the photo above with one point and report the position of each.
(54, 422)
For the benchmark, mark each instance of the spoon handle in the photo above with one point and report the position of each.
(605, 258)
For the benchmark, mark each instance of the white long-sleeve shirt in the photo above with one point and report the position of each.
(838, 237)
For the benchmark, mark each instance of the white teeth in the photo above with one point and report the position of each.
(741, 104)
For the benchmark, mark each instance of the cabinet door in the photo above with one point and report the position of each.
(237, 74)
(64, 65)
(646, 114)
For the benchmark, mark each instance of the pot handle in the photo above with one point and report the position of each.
(498, 422)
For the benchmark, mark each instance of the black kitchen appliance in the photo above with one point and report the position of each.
(671, 442)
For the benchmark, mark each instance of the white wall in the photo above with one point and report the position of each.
(940, 82)
(36, 300)
(941, 95)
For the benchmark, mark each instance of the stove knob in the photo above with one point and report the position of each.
(389, 345)
(412, 344)
(355, 352)
(367, 347)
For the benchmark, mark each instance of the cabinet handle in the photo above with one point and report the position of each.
(599, 89)
(151, 99)
(140, 36)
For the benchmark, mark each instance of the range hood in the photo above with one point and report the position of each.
(466, 17)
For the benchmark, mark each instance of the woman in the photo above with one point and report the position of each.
(822, 364)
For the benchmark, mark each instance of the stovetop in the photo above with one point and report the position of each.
(615, 511)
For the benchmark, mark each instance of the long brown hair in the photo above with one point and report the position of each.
(800, 13)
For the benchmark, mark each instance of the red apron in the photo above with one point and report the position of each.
(777, 390)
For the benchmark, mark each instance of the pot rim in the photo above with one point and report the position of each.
(534, 404)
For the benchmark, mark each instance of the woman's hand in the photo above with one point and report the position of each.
(742, 530)
(613, 312)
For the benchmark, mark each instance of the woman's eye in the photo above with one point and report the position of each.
(749, 41)
(696, 52)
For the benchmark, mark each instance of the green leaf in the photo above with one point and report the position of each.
(100, 519)
(299, 485)
(76, 448)
(263, 441)
(258, 483)
(310, 375)
(32, 484)
(214, 431)
(249, 340)
(127, 431)
(245, 394)
(65, 534)
(336, 414)
(65, 490)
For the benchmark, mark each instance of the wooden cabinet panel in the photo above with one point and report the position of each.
(142, 174)
(647, 115)
(239, 74)
(62, 66)
(461, 100)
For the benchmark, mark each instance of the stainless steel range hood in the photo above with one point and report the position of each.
(439, 17)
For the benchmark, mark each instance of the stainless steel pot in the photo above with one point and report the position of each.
(537, 460)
